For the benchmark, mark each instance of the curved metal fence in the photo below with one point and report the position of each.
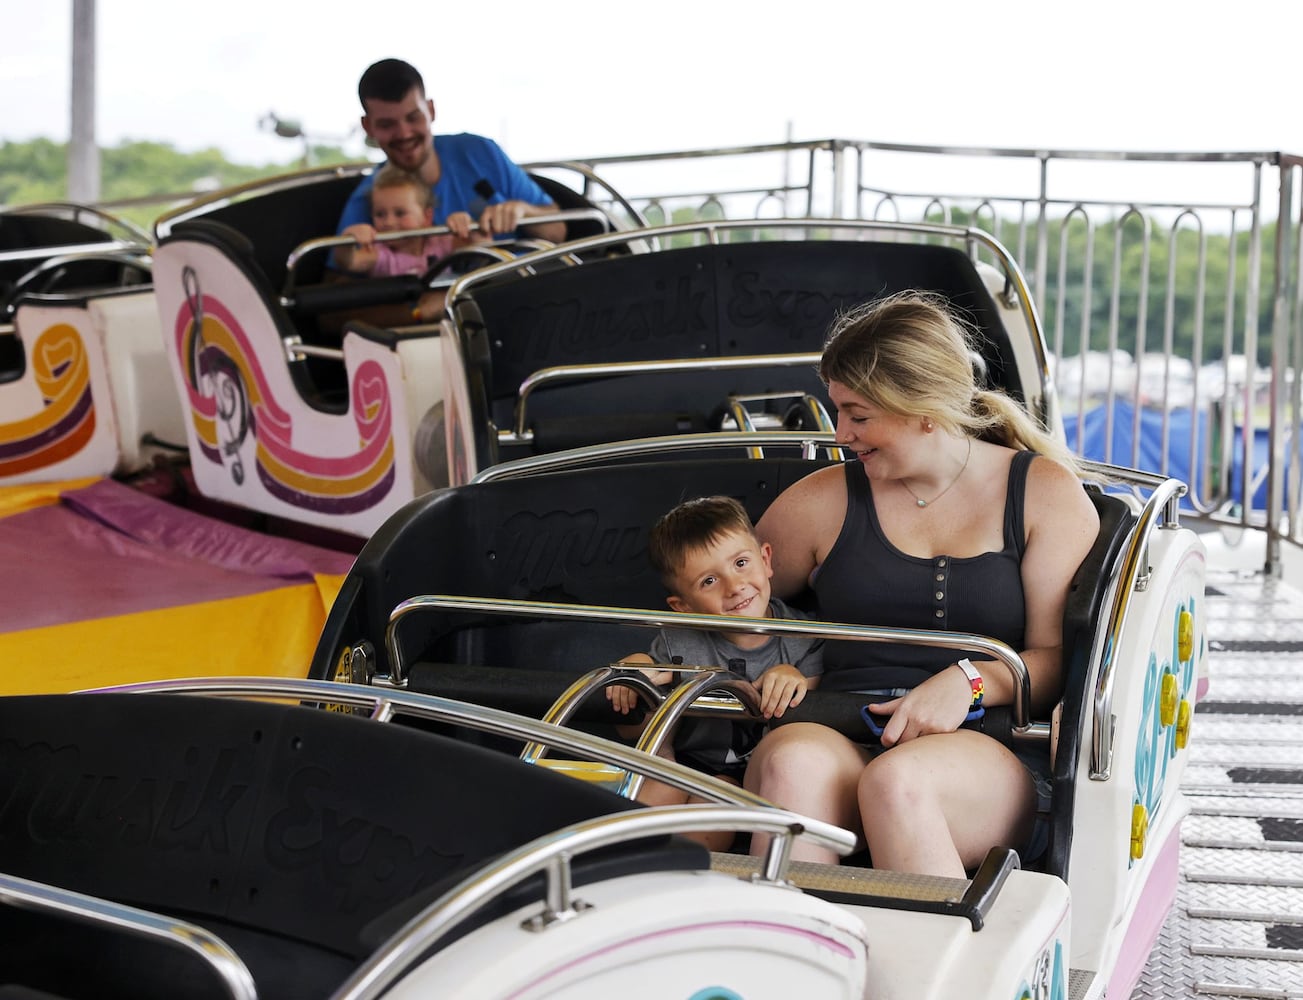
(1167, 284)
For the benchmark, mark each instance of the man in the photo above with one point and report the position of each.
(472, 180)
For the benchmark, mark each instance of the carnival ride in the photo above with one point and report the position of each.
(88, 405)
(245, 846)
(521, 589)
(340, 856)
(80, 387)
(291, 409)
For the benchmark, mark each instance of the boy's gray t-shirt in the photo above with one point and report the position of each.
(721, 746)
(699, 648)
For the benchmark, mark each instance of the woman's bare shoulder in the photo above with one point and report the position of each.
(1056, 495)
(806, 506)
(801, 525)
(817, 488)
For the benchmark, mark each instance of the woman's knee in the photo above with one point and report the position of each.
(892, 780)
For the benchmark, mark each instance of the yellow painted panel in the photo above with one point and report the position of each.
(269, 634)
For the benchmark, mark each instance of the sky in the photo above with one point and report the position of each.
(625, 76)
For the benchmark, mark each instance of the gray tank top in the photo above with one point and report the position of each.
(867, 580)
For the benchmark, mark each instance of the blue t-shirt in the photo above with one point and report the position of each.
(474, 173)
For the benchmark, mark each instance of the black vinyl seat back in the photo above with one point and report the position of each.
(44, 236)
(712, 301)
(567, 199)
(285, 830)
(279, 220)
(13, 359)
(29, 231)
(1082, 619)
(577, 537)
(88, 274)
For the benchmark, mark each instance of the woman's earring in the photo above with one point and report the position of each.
(927, 424)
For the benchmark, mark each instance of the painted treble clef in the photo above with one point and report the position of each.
(195, 300)
(227, 385)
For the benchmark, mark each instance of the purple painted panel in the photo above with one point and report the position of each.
(109, 550)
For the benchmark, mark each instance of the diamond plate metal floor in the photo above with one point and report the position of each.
(1237, 928)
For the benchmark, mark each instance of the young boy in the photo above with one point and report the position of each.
(710, 560)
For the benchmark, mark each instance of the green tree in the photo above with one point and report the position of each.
(1174, 296)
(37, 171)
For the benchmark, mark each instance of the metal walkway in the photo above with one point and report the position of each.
(1237, 928)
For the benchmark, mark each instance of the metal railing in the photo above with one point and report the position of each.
(1168, 285)
(1189, 262)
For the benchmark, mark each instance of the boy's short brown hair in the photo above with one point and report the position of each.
(691, 525)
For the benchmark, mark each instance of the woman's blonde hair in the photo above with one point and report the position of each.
(909, 354)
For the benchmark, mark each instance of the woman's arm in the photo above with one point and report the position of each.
(1061, 525)
(802, 525)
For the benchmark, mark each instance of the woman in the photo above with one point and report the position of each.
(956, 513)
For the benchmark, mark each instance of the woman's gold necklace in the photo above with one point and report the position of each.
(923, 503)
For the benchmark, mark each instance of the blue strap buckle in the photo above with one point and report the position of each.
(876, 729)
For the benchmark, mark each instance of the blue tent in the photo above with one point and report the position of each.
(1174, 460)
(1151, 455)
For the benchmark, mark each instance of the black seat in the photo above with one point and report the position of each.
(29, 231)
(281, 829)
(577, 537)
(44, 238)
(287, 215)
(712, 301)
(567, 199)
(1081, 622)
(580, 537)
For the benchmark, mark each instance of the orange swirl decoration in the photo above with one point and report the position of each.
(66, 422)
(217, 349)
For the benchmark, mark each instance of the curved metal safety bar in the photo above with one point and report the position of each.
(713, 229)
(745, 419)
(1123, 475)
(75, 250)
(296, 350)
(104, 220)
(577, 693)
(664, 712)
(818, 412)
(649, 618)
(809, 443)
(742, 416)
(225, 964)
(139, 259)
(551, 854)
(385, 704)
(662, 722)
(320, 243)
(591, 180)
(196, 208)
(609, 369)
(1133, 577)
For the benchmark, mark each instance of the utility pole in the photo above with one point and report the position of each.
(83, 153)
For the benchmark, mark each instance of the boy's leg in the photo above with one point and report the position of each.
(656, 793)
